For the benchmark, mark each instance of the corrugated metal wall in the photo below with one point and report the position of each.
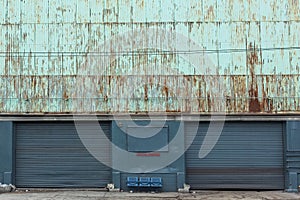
(248, 155)
(46, 48)
(52, 155)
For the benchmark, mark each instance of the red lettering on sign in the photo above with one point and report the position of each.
(148, 154)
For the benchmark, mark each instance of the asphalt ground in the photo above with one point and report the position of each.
(103, 195)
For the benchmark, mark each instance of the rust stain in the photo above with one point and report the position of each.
(141, 4)
(209, 104)
(294, 6)
(165, 89)
(210, 12)
(194, 80)
(107, 12)
(146, 92)
(105, 98)
(24, 36)
(16, 85)
(252, 60)
(7, 58)
(270, 104)
(33, 79)
(65, 96)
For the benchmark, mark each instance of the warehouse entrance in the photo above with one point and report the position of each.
(51, 154)
(248, 155)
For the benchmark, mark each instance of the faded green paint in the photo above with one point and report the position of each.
(46, 47)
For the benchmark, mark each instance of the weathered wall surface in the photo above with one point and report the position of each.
(121, 56)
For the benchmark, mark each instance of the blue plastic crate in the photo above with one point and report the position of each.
(156, 182)
(132, 182)
(145, 182)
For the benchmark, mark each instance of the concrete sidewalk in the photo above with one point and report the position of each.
(100, 195)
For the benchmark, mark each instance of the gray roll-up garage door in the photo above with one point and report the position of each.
(248, 155)
(51, 154)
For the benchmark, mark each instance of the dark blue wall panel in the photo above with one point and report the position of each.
(157, 142)
(137, 159)
(293, 155)
(6, 152)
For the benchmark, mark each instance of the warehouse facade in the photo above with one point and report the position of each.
(248, 155)
(201, 92)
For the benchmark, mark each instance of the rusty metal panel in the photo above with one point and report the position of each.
(253, 11)
(238, 96)
(152, 15)
(66, 11)
(28, 11)
(3, 13)
(56, 38)
(124, 12)
(294, 55)
(41, 32)
(96, 35)
(68, 94)
(167, 11)
(293, 10)
(210, 10)
(3, 50)
(26, 82)
(225, 66)
(273, 35)
(274, 10)
(138, 10)
(3, 93)
(63, 56)
(238, 10)
(27, 37)
(110, 11)
(42, 47)
(194, 11)
(56, 10)
(13, 9)
(12, 57)
(13, 98)
(96, 11)
(27, 46)
(82, 12)
(43, 12)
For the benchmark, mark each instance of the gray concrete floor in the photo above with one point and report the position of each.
(101, 195)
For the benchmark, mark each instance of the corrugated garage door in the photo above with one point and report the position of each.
(50, 154)
(248, 155)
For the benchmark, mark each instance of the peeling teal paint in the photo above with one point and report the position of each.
(45, 47)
